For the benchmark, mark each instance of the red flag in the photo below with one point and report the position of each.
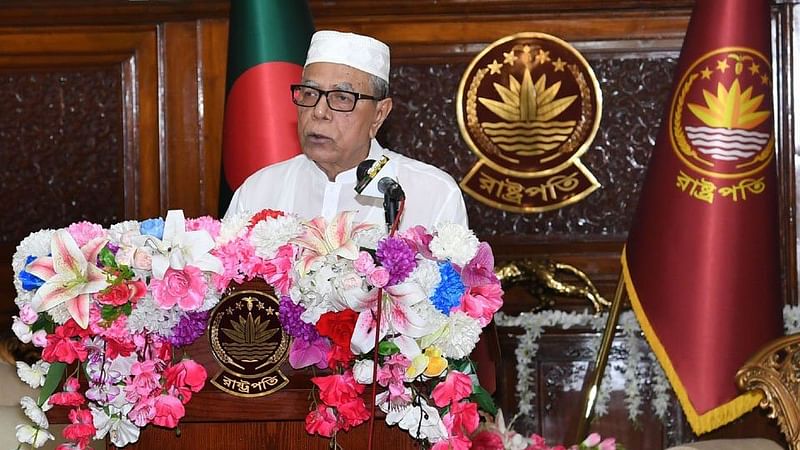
(701, 264)
(267, 45)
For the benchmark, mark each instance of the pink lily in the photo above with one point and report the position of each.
(70, 276)
(398, 316)
(321, 239)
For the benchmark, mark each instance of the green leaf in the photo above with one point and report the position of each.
(54, 375)
(388, 348)
(109, 313)
(484, 400)
(43, 323)
(127, 308)
(107, 258)
(463, 365)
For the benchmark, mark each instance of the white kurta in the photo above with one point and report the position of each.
(299, 186)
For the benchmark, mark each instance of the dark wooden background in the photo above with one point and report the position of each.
(112, 110)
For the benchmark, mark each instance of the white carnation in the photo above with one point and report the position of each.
(369, 237)
(454, 242)
(461, 333)
(426, 275)
(60, 314)
(36, 244)
(24, 298)
(269, 234)
(233, 227)
(118, 230)
(28, 434)
(34, 375)
(148, 315)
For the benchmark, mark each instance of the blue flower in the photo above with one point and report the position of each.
(449, 291)
(152, 227)
(30, 282)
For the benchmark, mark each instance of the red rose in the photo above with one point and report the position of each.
(122, 293)
(321, 421)
(340, 356)
(338, 326)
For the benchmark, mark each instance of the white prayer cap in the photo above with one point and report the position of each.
(360, 52)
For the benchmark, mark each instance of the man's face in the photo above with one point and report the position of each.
(338, 141)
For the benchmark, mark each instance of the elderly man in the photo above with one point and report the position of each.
(351, 72)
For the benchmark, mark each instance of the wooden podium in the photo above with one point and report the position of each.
(219, 420)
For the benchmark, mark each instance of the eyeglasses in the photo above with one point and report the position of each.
(338, 100)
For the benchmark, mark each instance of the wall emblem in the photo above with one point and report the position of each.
(248, 342)
(721, 124)
(529, 106)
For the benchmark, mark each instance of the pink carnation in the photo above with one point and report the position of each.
(83, 232)
(207, 223)
(185, 287)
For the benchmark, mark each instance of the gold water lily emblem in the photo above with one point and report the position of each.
(529, 106)
(248, 343)
(721, 116)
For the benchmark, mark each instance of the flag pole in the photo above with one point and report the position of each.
(594, 374)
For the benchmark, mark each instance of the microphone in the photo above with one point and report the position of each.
(390, 188)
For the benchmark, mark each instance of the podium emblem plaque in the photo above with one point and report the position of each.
(248, 343)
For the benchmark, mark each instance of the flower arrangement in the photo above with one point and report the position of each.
(109, 308)
(421, 296)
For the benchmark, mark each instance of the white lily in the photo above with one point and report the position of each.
(179, 248)
(69, 276)
(397, 316)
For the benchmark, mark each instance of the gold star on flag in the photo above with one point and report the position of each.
(510, 57)
(706, 73)
(754, 68)
(542, 56)
(494, 67)
(559, 65)
(722, 65)
(765, 79)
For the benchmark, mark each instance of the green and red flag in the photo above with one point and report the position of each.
(267, 45)
(701, 264)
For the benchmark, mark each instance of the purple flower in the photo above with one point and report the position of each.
(191, 326)
(397, 257)
(289, 315)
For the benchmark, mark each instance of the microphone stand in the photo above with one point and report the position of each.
(391, 206)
